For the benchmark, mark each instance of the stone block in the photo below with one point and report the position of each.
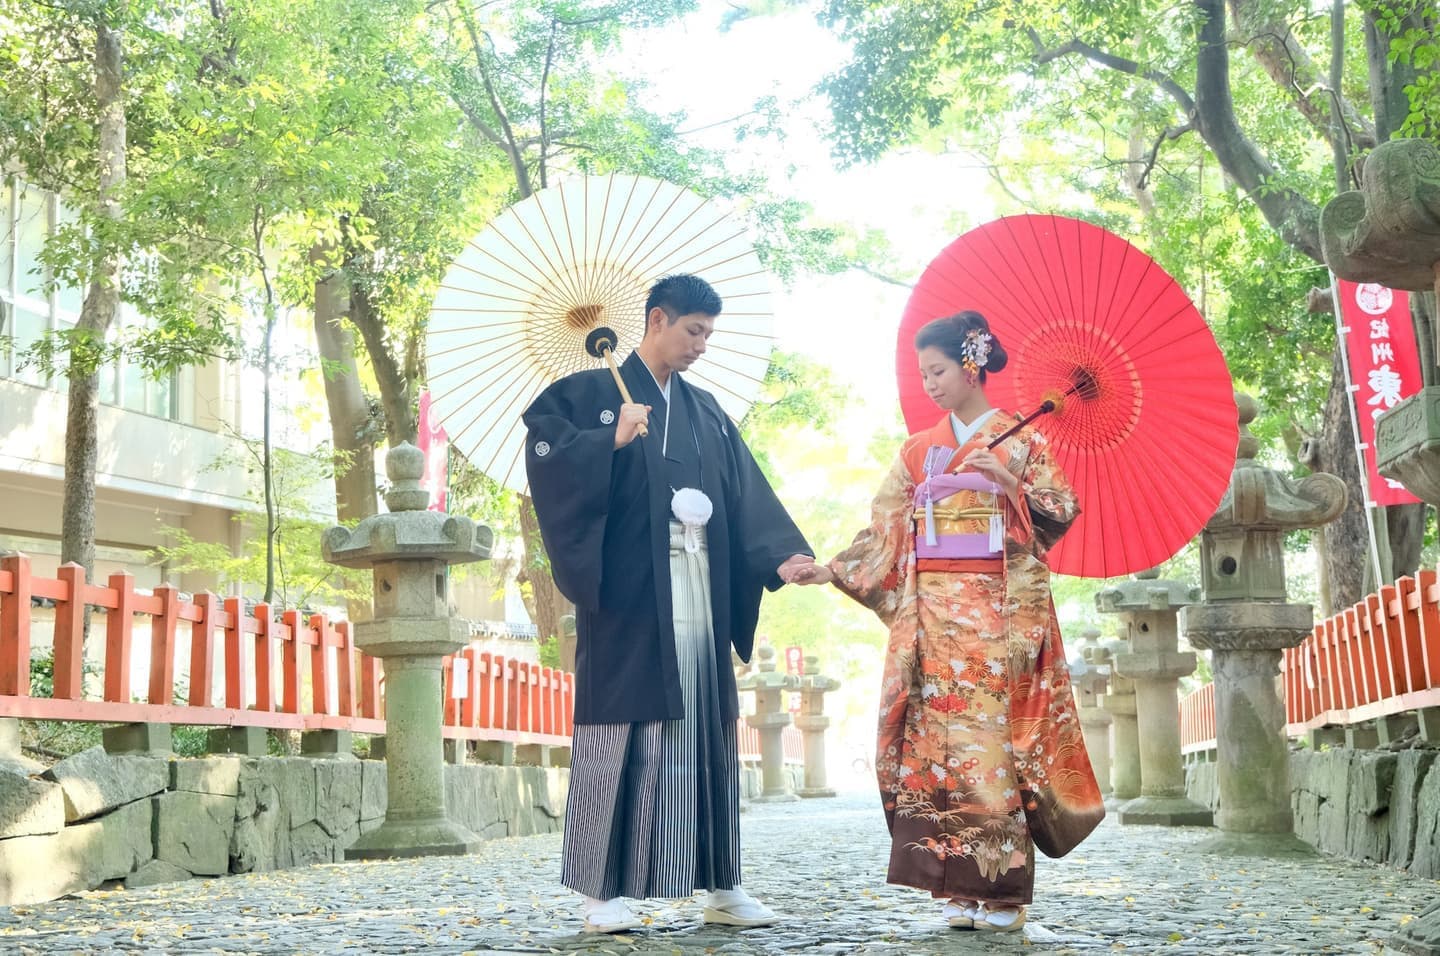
(29, 807)
(246, 741)
(140, 738)
(1429, 721)
(112, 846)
(1410, 771)
(12, 755)
(532, 755)
(155, 873)
(207, 775)
(495, 751)
(1396, 728)
(1425, 860)
(476, 798)
(456, 751)
(10, 737)
(1202, 784)
(309, 844)
(296, 782)
(327, 743)
(1330, 777)
(261, 840)
(1371, 777)
(23, 881)
(337, 800)
(194, 830)
(94, 781)
(1362, 737)
(374, 790)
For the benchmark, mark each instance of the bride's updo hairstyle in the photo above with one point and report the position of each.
(965, 338)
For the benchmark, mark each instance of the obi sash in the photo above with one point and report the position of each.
(958, 516)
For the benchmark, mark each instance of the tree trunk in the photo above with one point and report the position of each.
(1288, 212)
(1273, 43)
(1407, 538)
(1346, 551)
(351, 427)
(397, 385)
(97, 314)
(546, 604)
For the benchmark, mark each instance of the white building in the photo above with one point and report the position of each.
(169, 455)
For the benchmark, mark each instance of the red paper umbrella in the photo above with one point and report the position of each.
(1148, 435)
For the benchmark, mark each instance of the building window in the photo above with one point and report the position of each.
(28, 217)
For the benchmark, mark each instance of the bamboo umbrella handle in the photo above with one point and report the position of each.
(620, 383)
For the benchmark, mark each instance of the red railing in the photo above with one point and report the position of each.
(266, 657)
(1378, 658)
(491, 697)
(790, 743)
(1197, 720)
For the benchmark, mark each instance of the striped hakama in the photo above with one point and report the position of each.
(654, 808)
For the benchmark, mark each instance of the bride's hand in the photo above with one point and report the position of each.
(801, 569)
(987, 464)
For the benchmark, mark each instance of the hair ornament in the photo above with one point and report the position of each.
(975, 351)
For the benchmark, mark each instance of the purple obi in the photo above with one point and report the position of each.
(958, 516)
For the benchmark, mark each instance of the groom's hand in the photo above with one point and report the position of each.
(802, 569)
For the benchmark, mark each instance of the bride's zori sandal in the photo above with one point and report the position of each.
(1003, 919)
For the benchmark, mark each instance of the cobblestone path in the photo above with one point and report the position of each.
(820, 863)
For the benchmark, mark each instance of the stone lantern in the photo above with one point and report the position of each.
(1089, 677)
(1119, 703)
(770, 719)
(1386, 233)
(1147, 606)
(408, 550)
(1245, 623)
(812, 723)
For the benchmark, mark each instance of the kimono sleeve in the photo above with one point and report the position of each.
(1050, 502)
(767, 534)
(874, 568)
(569, 472)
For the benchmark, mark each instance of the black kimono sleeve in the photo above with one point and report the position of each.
(766, 535)
(569, 472)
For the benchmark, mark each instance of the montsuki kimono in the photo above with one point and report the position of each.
(980, 756)
(654, 802)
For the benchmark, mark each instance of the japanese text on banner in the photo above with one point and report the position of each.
(1384, 368)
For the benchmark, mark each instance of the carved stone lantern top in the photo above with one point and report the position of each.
(408, 532)
(1261, 498)
(1145, 592)
(815, 682)
(1388, 231)
(766, 678)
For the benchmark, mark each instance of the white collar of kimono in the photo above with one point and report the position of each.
(964, 432)
(665, 394)
(664, 389)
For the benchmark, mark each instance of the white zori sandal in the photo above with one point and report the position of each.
(609, 916)
(737, 908)
(961, 914)
(1003, 919)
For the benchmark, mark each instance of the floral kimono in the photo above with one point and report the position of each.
(980, 756)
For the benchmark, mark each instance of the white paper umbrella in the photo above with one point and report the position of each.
(513, 311)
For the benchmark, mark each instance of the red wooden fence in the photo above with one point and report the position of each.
(1197, 720)
(1378, 658)
(265, 657)
(790, 743)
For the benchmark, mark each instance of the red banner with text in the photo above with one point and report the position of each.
(1384, 368)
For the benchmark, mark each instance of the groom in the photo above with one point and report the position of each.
(663, 531)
